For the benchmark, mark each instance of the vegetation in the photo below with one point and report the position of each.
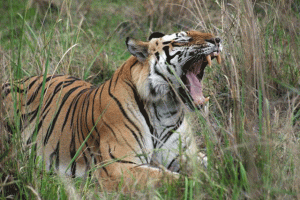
(250, 129)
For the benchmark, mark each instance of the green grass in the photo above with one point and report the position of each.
(250, 129)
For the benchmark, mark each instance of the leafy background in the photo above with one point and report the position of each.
(250, 128)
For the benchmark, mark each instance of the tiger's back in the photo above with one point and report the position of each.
(71, 110)
(50, 121)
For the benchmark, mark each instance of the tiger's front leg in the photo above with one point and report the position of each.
(123, 165)
(129, 177)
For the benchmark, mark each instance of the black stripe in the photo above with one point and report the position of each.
(143, 111)
(56, 154)
(134, 149)
(32, 98)
(170, 132)
(168, 57)
(121, 108)
(160, 74)
(17, 89)
(34, 114)
(79, 123)
(133, 64)
(87, 163)
(93, 118)
(141, 107)
(135, 136)
(81, 120)
(75, 78)
(112, 131)
(166, 137)
(52, 125)
(69, 109)
(56, 90)
(76, 100)
(87, 98)
(72, 154)
(29, 141)
(100, 95)
(84, 118)
(117, 160)
(23, 80)
(169, 69)
(105, 171)
(67, 115)
(157, 56)
(33, 82)
(118, 75)
(24, 118)
(156, 113)
(140, 144)
(171, 163)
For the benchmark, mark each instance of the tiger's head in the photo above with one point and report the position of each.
(174, 64)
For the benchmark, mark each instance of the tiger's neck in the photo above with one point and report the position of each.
(167, 117)
(163, 116)
(166, 112)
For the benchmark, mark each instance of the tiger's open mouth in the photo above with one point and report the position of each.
(194, 74)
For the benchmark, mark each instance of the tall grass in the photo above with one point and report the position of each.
(249, 130)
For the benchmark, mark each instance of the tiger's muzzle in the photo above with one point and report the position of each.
(194, 71)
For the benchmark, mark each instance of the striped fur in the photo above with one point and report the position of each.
(132, 120)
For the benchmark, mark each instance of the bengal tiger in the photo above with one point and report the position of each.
(136, 118)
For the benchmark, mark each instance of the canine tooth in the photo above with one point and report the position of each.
(206, 99)
(219, 58)
(208, 58)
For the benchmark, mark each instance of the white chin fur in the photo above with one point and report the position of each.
(160, 91)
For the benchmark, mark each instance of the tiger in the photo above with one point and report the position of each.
(120, 129)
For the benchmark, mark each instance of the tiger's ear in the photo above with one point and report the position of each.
(156, 35)
(137, 48)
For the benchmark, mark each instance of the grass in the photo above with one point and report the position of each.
(250, 129)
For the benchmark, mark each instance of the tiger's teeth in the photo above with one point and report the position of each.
(219, 58)
(206, 99)
(208, 58)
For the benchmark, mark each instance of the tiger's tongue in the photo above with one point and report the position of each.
(195, 88)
